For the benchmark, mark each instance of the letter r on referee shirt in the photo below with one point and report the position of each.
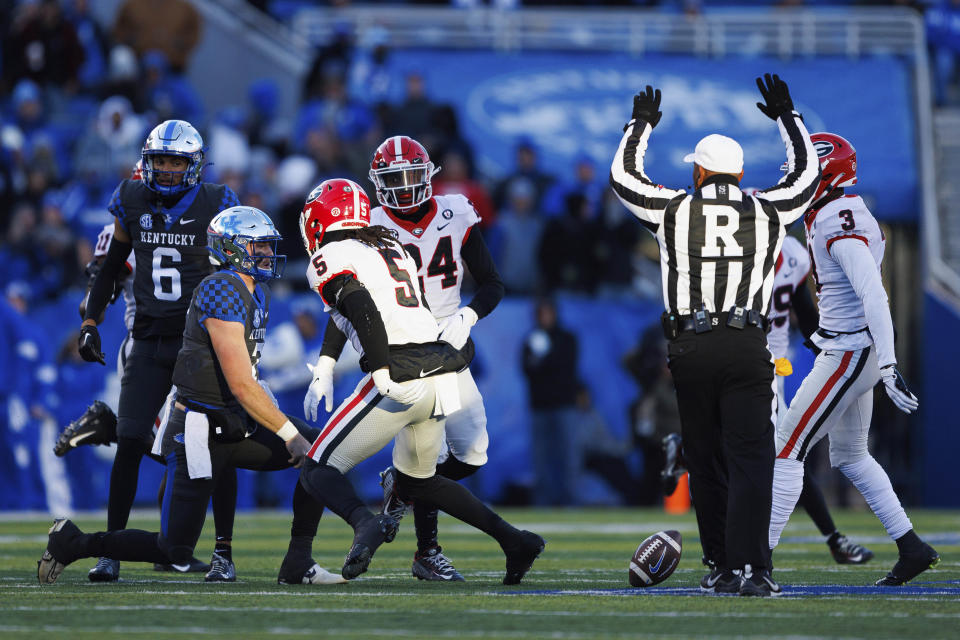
(722, 230)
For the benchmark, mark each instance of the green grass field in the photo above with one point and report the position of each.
(577, 589)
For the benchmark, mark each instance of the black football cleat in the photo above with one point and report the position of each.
(433, 565)
(367, 538)
(106, 570)
(195, 565)
(520, 557)
(97, 425)
(393, 506)
(846, 552)
(221, 569)
(909, 566)
(59, 553)
(673, 466)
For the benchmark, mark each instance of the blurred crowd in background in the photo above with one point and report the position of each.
(78, 97)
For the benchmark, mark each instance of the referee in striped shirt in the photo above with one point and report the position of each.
(718, 248)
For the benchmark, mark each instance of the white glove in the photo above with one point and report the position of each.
(403, 392)
(896, 388)
(456, 328)
(321, 387)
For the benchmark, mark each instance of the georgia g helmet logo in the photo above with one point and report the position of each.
(824, 148)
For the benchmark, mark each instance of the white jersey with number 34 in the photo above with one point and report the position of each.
(435, 243)
(389, 276)
(845, 219)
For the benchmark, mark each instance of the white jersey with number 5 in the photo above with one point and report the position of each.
(792, 268)
(103, 244)
(435, 243)
(841, 310)
(389, 276)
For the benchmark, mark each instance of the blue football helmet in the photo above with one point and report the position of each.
(173, 138)
(230, 239)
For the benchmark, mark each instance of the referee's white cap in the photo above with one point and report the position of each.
(717, 153)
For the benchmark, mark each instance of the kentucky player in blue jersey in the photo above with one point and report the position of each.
(163, 219)
(222, 417)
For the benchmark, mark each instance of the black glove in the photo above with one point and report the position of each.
(89, 344)
(646, 106)
(775, 94)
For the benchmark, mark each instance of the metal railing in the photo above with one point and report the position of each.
(779, 32)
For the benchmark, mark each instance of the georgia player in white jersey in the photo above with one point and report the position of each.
(366, 280)
(846, 247)
(441, 234)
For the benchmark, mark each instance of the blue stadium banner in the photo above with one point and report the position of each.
(575, 104)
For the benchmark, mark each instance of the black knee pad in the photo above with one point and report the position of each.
(132, 447)
(456, 470)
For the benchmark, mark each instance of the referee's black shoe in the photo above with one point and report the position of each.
(720, 580)
(758, 583)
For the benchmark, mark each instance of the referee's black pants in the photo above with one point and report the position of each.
(724, 382)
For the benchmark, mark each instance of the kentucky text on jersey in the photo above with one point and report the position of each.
(153, 237)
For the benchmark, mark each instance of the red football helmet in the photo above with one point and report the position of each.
(333, 205)
(401, 171)
(838, 162)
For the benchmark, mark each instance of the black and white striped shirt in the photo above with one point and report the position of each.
(718, 247)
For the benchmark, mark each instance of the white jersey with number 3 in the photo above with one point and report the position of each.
(389, 275)
(841, 310)
(792, 268)
(435, 243)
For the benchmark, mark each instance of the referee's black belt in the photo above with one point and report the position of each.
(703, 321)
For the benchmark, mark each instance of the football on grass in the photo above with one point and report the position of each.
(655, 559)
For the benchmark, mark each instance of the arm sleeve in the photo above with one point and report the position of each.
(103, 285)
(857, 263)
(646, 200)
(477, 257)
(354, 303)
(333, 340)
(217, 298)
(792, 195)
(807, 316)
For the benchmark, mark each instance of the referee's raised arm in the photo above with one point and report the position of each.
(793, 194)
(636, 191)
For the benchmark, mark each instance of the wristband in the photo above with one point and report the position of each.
(287, 432)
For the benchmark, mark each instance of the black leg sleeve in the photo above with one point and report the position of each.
(123, 481)
(425, 513)
(457, 500)
(332, 489)
(127, 544)
(224, 501)
(812, 500)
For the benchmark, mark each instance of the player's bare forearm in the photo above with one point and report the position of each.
(231, 351)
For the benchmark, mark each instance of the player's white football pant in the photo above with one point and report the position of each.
(835, 399)
(466, 430)
(366, 422)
